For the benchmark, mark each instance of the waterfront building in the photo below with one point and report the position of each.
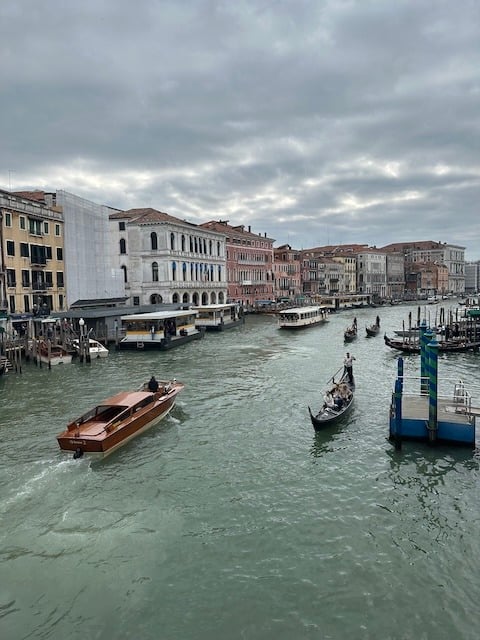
(32, 273)
(250, 272)
(372, 272)
(472, 276)
(168, 260)
(321, 275)
(395, 275)
(86, 243)
(428, 252)
(427, 279)
(287, 272)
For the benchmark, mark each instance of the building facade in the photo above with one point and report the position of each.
(32, 271)
(287, 272)
(165, 260)
(250, 273)
(372, 273)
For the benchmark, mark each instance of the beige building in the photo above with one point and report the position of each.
(32, 256)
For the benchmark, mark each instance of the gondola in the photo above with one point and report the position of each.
(328, 415)
(373, 329)
(350, 332)
(413, 346)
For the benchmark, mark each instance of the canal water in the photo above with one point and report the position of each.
(232, 519)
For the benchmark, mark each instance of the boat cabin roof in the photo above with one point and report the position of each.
(125, 399)
(301, 310)
(159, 315)
(214, 307)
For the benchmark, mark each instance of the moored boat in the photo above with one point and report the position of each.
(51, 354)
(159, 330)
(118, 419)
(218, 317)
(302, 317)
(455, 345)
(338, 401)
(96, 349)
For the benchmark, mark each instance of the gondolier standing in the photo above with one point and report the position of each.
(348, 364)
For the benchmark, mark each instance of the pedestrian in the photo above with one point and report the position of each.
(348, 364)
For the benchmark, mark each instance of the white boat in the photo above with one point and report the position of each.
(96, 349)
(217, 317)
(51, 354)
(159, 330)
(301, 317)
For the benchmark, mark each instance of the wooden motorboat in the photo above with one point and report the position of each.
(51, 354)
(332, 410)
(96, 349)
(118, 419)
(444, 346)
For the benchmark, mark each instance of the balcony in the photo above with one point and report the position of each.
(39, 261)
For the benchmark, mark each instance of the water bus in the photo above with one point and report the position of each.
(159, 330)
(217, 317)
(301, 317)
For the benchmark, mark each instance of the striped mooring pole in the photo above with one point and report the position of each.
(426, 335)
(398, 405)
(432, 349)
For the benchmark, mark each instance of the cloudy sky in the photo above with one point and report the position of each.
(314, 121)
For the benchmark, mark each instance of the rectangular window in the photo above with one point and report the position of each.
(59, 253)
(57, 230)
(60, 301)
(22, 222)
(24, 251)
(25, 278)
(121, 226)
(35, 227)
(11, 303)
(26, 304)
(37, 254)
(45, 228)
(48, 252)
(11, 280)
(49, 279)
(10, 248)
(136, 301)
(8, 219)
(60, 283)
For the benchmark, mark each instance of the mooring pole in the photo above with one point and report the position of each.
(426, 336)
(433, 391)
(398, 413)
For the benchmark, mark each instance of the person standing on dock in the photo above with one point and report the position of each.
(348, 364)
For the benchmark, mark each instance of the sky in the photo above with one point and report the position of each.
(311, 121)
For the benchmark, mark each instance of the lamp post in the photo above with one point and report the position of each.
(81, 324)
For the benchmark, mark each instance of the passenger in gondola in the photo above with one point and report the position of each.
(329, 401)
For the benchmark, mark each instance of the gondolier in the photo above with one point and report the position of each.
(348, 364)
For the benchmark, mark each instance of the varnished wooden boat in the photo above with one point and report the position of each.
(118, 419)
(52, 354)
(328, 415)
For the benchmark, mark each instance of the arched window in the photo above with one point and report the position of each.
(191, 270)
(184, 271)
(204, 246)
(124, 269)
(174, 270)
(155, 271)
(196, 245)
(195, 299)
(185, 298)
(210, 247)
(218, 248)
(196, 271)
(191, 244)
(172, 241)
(156, 298)
(211, 272)
(123, 245)
(204, 298)
(175, 298)
(220, 298)
(183, 242)
(153, 241)
(213, 298)
(219, 273)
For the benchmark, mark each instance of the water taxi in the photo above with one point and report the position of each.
(301, 317)
(96, 349)
(116, 420)
(159, 330)
(218, 317)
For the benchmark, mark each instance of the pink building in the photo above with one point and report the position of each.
(250, 273)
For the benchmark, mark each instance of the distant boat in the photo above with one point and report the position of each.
(116, 420)
(445, 346)
(351, 332)
(96, 349)
(302, 317)
(373, 329)
(52, 354)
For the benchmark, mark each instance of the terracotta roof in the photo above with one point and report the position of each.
(222, 226)
(37, 196)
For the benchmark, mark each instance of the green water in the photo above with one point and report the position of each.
(232, 519)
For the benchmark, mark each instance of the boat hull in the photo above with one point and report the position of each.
(99, 439)
(327, 416)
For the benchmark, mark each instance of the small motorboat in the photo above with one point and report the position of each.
(118, 419)
(337, 403)
(95, 348)
(51, 354)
